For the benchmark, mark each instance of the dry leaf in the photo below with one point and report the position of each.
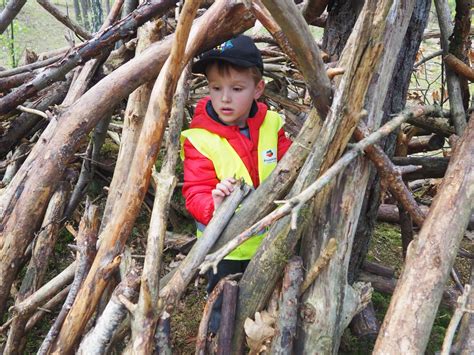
(259, 331)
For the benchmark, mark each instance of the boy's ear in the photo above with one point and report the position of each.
(259, 88)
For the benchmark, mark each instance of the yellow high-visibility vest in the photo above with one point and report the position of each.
(228, 163)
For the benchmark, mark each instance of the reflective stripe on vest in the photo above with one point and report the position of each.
(227, 163)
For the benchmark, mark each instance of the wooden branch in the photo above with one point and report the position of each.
(421, 144)
(188, 267)
(455, 319)
(13, 81)
(97, 340)
(81, 82)
(433, 124)
(133, 120)
(432, 167)
(319, 265)
(387, 285)
(85, 51)
(418, 292)
(46, 291)
(30, 67)
(454, 87)
(9, 12)
(147, 315)
(288, 307)
(48, 307)
(294, 204)
(206, 315)
(86, 242)
(163, 334)
(65, 19)
(459, 67)
(228, 309)
(464, 338)
(25, 122)
(308, 55)
(16, 159)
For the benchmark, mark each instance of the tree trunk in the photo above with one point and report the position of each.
(407, 324)
(394, 102)
(331, 295)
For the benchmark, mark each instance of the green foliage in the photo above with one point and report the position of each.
(8, 45)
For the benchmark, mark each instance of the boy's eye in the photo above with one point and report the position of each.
(215, 88)
(237, 89)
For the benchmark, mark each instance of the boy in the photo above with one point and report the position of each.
(231, 137)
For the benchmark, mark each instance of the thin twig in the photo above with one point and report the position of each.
(33, 111)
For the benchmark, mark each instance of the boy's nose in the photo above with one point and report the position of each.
(225, 96)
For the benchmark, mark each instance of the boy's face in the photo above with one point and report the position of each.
(232, 94)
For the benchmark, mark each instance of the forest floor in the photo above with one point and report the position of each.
(38, 31)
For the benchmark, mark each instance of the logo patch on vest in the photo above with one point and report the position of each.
(269, 156)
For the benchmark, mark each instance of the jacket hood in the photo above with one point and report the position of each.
(202, 119)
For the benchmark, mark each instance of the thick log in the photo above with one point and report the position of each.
(420, 144)
(9, 12)
(456, 105)
(288, 308)
(459, 67)
(133, 120)
(365, 324)
(411, 313)
(97, 340)
(85, 51)
(65, 19)
(226, 327)
(312, 9)
(432, 167)
(23, 202)
(146, 316)
(86, 243)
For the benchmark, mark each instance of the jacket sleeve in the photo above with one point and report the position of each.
(199, 180)
(283, 144)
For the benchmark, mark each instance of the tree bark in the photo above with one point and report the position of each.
(9, 13)
(226, 327)
(431, 167)
(411, 313)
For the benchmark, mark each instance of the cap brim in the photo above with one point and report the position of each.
(200, 66)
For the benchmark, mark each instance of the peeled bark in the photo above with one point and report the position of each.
(430, 257)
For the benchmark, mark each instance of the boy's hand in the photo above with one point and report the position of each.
(223, 189)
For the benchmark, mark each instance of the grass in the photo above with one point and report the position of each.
(35, 29)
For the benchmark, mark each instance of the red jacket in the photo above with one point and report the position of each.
(199, 174)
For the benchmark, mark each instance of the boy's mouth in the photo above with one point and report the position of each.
(227, 110)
